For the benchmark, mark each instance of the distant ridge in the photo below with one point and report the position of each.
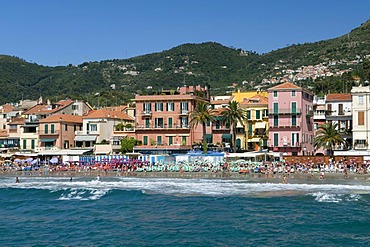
(206, 63)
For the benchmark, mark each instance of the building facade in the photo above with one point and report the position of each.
(290, 120)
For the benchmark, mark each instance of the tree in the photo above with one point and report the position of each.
(128, 143)
(327, 137)
(232, 115)
(201, 115)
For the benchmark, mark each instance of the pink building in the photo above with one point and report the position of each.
(290, 120)
(163, 120)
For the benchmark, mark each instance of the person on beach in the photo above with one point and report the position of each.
(284, 179)
(98, 178)
(17, 180)
(322, 175)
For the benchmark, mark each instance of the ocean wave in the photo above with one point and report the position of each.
(84, 189)
(336, 198)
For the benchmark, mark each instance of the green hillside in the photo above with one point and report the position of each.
(116, 81)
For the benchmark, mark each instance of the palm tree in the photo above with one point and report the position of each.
(232, 115)
(327, 137)
(202, 114)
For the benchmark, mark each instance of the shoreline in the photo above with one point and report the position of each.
(297, 177)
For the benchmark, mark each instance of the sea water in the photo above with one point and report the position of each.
(118, 211)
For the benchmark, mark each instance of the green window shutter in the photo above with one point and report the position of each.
(46, 128)
(170, 122)
(276, 139)
(294, 120)
(145, 140)
(294, 107)
(24, 144)
(146, 122)
(170, 140)
(32, 144)
(159, 140)
(52, 129)
(258, 114)
(66, 127)
(276, 108)
(250, 129)
(276, 120)
(248, 114)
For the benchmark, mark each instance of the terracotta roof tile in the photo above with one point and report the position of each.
(339, 97)
(286, 85)
(255, 100)
(7, 108)
(62, 117)
(105, 113)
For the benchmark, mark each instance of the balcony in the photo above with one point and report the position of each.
(162, 127)
(287, 111)
(125, 130)
(39, 149)
(360, 146)
(287, 128)
(146, 113)
(54, 133)
(184, 112)
(220, 128)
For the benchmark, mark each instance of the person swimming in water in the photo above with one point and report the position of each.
(17, 180)
(98, 178)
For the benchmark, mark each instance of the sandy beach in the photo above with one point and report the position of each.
(255, 177)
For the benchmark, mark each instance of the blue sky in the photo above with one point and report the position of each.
(60, 32)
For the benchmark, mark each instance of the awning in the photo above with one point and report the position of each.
(256, 139)
(226, 136)
(85, 138)
(260, 125)
(47, 140)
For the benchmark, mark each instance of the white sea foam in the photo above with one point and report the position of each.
(327, 197)
(84, 189)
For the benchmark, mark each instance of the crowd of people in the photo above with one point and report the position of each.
(239, 166)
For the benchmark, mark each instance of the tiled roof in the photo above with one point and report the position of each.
(46, 109)
(339, 97)
(3, 133)
(62, 117)
(286, 85)
(104, 113)
(17, 121)
(256, 100)
(7, 108)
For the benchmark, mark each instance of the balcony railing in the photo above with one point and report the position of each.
(283, 111)
(220, 128)
(290, 128)
(184, 112)
(360, 146)
(146, 113)
(42, 132)
(164, 127)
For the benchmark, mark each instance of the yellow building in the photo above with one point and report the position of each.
(256, 125)
(241, 96)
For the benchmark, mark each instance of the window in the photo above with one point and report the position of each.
(74, 127)
(293, 93)
(24, 144)
(32, 144)
(294, 107)
(66, 127)
(183, 140)
(295, 139)
(276, 108)
(147, 123)
(329, 109)
(316, 126)
(170, 106)
(159, 140)
(93, 127)
(170, 140)
(184, 122)
(258, 114)
(52, 130)
(158, 106)
(170, 122)
(145, 140)
(147, 107)
(74, 107)
(340, 109)
(250, 129)
(248, 114)
(184, 107)
(276, 120)
(276, 139)
(294, 120)
(275, 94)
(158, 122)
(360, 99)
(360, 118)
(46, 128)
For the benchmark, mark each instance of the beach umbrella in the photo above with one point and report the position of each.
(29, 160)
(54, 160)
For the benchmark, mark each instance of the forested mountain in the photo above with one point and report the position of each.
(223, 68)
